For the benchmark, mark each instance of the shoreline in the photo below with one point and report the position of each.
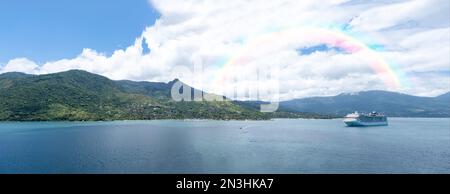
(199, 120)
(194, 120)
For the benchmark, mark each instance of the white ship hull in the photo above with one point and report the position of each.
(358, 123)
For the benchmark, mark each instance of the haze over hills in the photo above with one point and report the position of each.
(390, 103)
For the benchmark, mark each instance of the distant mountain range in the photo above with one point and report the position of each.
(390, 103)
(79, 95)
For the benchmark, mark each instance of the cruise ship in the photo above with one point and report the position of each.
(360, 120)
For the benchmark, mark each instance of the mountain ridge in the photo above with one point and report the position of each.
(80, 95)
(391, 103)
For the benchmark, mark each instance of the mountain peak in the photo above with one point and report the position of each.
(174, 81)
(370, 92)
(444, 96)
(349, 94)
(79, 74)
(77, 71)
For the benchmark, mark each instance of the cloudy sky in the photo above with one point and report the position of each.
(319, 47)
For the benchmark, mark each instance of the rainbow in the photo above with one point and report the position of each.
(334, 37)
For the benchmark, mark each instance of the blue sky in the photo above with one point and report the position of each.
(318, 48)
(48, 30)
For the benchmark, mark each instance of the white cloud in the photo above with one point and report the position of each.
(20, 65)
(415, 36)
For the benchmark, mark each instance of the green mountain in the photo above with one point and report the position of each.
(390, 103)
(79, 95)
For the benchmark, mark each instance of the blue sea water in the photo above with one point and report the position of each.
(407, 145)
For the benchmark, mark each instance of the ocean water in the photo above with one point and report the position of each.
(407, 145)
